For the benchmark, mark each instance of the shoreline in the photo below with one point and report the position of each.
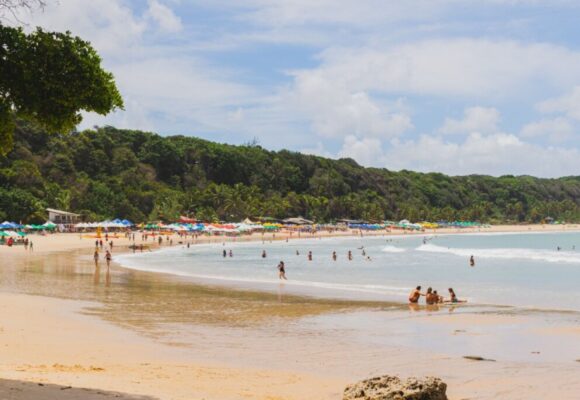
(149, 335)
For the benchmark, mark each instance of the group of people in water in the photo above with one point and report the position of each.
(432, 297)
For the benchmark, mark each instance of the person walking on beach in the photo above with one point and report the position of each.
(415, 295)
(282, 271)
(96, 257)
(472, 261)
(108, 258)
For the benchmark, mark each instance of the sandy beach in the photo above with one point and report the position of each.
(70, 331)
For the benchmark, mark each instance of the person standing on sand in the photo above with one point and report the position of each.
(96, 257)
(415, 295)
(282, 271)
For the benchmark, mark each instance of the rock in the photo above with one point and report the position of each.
(392, 388)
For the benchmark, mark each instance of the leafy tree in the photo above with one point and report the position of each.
(48, 78)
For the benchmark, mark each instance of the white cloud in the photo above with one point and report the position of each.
(164, 17)
(334, 111)
(556, 130)
(366, 151)
(448, 67)
(475, 119)
(496, 154)
(568, 104)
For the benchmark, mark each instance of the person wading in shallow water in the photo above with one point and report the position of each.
(108, 257)
(472, 261)
(415, 295)
(282, 271)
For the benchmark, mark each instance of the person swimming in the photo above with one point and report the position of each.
(415, 295)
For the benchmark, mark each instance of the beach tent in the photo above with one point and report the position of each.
(48, 225)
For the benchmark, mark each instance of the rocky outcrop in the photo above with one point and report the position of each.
(392, 388)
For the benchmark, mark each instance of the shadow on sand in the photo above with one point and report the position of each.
(19, 390)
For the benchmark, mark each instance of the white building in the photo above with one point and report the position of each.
(62, 217)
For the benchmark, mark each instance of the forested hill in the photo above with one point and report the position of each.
(141, 176)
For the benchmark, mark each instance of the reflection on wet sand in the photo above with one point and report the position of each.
(146, 301)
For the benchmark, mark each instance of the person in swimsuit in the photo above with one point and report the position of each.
(96, 257)
(472, 261)
(108, 258)
(281, 271)
(349, 255)
(438, 299)
(263, 253)
(309, 256)
(334, 256)
(453, 297)
(415, 295)
(430, 297)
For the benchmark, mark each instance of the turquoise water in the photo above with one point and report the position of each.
(523, 270)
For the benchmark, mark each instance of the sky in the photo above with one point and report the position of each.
(453, 86)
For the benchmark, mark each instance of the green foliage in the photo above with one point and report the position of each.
(48, 77)
(110, 173)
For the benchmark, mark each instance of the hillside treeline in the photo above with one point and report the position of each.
(141, 176)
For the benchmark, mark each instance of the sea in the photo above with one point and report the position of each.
(537, 271)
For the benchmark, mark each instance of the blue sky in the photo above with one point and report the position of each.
(454, 86)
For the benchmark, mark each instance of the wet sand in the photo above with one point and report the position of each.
(142, 334)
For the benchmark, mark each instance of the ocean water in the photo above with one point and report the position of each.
(523, 270)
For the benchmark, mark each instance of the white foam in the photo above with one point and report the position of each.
(393, 249)
(507, 253)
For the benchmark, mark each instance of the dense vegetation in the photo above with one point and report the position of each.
(141, 176)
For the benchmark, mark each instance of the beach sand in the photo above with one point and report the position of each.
(134, 335)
